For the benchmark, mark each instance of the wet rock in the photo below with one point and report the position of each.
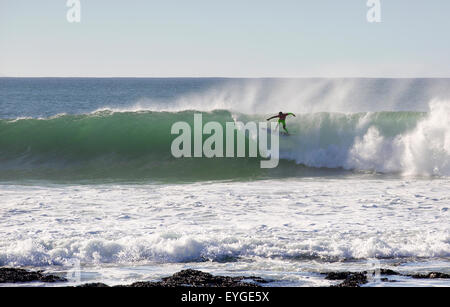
(338, 275)
(193, 278)
(94, 285)
(12, 275)
(431, 275)
(353, 280)
(388, 272)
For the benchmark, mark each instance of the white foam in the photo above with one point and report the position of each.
(286, 220)
(423, 151)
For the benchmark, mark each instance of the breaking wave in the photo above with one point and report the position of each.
(136, 145)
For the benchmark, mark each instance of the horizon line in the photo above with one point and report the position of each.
(214, 77)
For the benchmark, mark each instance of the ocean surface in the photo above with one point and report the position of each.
(88, 182)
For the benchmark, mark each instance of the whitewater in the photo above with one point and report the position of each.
(86, 176)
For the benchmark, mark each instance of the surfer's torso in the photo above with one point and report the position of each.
(282, 117)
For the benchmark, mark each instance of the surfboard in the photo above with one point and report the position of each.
(281, 133)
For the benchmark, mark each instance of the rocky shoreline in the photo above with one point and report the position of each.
(194, 278)
(185, 278)
(357, 279)
(13, 275)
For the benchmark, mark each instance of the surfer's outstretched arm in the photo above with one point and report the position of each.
(292, 114)
(272, 117)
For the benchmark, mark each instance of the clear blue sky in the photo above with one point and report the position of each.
(230, 38)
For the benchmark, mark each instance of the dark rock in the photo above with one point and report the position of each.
(141, 284)
(94, 285)
(193, 278)
(431, 275)
(353, 280)
(338, 275)
(12, 275)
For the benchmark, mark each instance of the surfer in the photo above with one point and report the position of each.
(282, 119)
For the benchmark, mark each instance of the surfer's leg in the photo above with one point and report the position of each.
(284, 126)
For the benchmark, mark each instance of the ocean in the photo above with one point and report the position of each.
(87, 179)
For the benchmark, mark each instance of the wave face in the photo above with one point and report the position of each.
(136, 145)
(108, 145)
